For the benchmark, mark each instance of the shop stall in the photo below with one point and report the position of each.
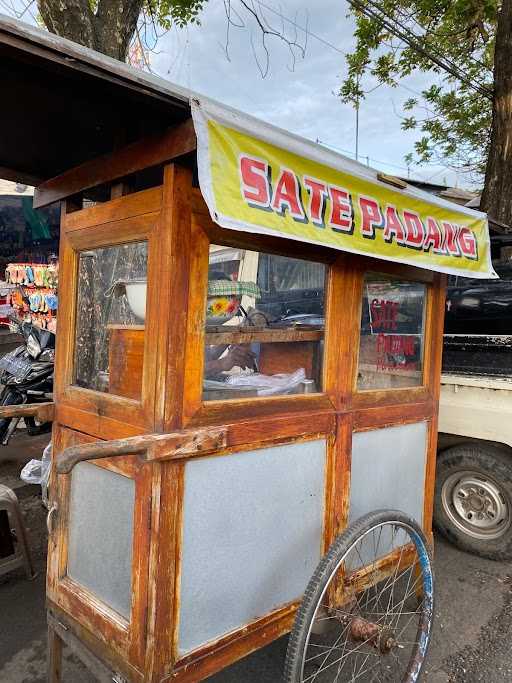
(245, 417)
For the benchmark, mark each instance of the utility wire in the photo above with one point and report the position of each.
(296, 25)
(381, 162)
(374, 11)
(304, 29)
(389, 18)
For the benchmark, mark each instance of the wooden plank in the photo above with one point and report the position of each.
(58, 634)
(93, 641)
(132, 229)
(436, 351)
(196, 319)
(388, 416)
(54, 656)
(175, 271)
(148, 446)
(338, 480)
(167, 571)
(246, 335)
(140, 564)
(42, 411)
(125, 361)
(217, 412)
(369, 576)
(370, 398)
(220, 654)
(90, 421)
(151, 151)
(270, 430)
(343, 304)
(256, 242)
(129, 206)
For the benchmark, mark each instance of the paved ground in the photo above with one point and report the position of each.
(472, 634)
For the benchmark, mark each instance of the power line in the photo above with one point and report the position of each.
(376, 161)
(419, 47)
(374, 11)
(304, 29)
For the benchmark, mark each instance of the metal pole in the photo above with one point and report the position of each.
(357, 131)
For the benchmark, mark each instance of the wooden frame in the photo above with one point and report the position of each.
(175, 219)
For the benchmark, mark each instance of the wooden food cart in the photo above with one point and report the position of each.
(212, 451)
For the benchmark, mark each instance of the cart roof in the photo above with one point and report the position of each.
(65, 104)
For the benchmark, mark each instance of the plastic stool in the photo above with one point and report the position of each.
(20, 557)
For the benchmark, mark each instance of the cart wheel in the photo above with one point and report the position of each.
(364, 618)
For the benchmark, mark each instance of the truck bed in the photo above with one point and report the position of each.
(478, 355)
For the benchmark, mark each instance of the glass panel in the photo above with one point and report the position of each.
(392, 328)
(264, 325)
(268, 506)
(374, 484)
(111, 309)
(101, 534)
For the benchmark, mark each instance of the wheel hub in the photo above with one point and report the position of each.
(381, 637)
(476, 505)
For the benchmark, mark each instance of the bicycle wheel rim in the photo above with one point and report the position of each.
(418, 648)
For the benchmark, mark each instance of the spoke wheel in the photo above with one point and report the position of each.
(368, 609)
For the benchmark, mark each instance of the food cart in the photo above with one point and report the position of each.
(223, 472)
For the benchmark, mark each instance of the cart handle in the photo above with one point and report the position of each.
(44, 412)
(150, 447)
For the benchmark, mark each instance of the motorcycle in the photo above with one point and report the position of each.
(26, 376)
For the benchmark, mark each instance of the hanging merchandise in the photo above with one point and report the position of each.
(34, 297)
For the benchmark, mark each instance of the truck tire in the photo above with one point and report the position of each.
(473, 499)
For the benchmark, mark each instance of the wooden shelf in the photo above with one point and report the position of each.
(224, 334)
(246, 335)
(113, 326)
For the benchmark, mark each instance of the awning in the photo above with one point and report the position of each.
(260, 179)
(255, 177)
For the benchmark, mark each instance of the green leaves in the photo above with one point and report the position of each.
(179, 12)
(452, 118)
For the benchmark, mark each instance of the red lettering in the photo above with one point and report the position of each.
(255, 181)
(434, 236)
(415, 229)
(451, 233)
(287, 195)
(393, 227)
(467, 243)
(317, 191)
(341, 217)
(371, 216)
(384, 314)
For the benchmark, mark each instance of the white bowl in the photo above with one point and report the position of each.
(136, 294)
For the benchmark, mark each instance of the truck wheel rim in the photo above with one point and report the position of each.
(476, 504)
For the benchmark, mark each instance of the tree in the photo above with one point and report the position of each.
(465, 115)
(110, 25)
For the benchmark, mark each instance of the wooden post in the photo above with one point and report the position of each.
(54, 660)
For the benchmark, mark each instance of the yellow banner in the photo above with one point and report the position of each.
(253, 185)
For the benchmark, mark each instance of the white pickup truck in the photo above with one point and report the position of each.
(473, 505)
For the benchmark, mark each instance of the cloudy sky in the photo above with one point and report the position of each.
(300, 97)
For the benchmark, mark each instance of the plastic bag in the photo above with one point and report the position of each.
(37, 471)
(47, 461)
(32, 472)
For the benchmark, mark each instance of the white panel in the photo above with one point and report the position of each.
(101, 533)
(388, 471)
(251, 539)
